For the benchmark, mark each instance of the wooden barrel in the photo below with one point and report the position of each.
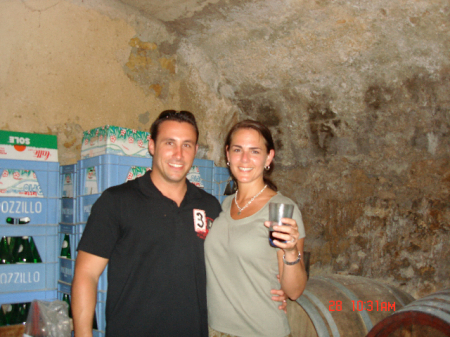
(428, 316)
(345, 306)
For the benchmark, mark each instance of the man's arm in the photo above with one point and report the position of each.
(88, 268)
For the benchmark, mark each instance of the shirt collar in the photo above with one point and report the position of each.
(147, 187)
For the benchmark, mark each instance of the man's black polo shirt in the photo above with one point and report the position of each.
(156, 270)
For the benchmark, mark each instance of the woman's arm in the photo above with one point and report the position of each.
(292, 276)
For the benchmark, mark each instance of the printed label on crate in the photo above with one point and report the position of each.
(136, 172)
(194, 177)
(66, 269)
(28, 146)
(115, 140)
(67, 189)
(19, 183)
(90, 183)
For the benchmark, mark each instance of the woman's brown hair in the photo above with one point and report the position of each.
(268, 141)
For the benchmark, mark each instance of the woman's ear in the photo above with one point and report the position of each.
(270, 157)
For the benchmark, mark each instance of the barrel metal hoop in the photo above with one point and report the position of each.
(365, 317)
(326, 313)
(444, 300)
(314, 315)
(387, 287)
(429, 307)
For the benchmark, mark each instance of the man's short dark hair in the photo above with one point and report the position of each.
(173, 115)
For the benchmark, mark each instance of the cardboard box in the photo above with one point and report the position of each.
(28, 146)
(115, 140)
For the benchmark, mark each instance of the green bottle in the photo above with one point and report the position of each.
(8, 313)
(22, 251)
(66, 298)
(11, 243)
(3, 321)
(22, 312)
(19, 313)
(5, 254)
(34, 251)
(65, 249)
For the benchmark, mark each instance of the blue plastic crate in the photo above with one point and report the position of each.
(45, 239)
(28, 296)
(100, 311)
(221, 178)
(96, 333)
(66, 270)
(64, 288)
(110, 170)
(72, 228)
(68, 210)
(47, 174)
(103, 280)
(41, 211)
(84, 205)
(71, 171)
(101, 295)
(27, 277)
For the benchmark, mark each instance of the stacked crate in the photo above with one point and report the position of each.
(68, 226)
(26, 282)
(221, 180)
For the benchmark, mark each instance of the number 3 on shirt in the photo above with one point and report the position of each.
(200, 221)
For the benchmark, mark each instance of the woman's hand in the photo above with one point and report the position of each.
(287, 232)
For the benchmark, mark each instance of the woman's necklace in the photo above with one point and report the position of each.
(248, 203)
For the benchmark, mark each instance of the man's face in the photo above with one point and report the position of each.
(173, 151)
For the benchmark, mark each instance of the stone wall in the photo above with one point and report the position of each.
(357, 96)
(355, 92)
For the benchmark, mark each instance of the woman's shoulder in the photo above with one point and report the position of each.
(226, 203)
(280, 198)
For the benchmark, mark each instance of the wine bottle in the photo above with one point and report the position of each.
(65, 249)
(34, 251)
(5, 254)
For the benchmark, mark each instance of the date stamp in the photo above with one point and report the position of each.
(363, 305)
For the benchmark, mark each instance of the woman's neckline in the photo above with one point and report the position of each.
(247, 217)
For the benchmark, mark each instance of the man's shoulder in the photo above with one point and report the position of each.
(122, 189)
(207, 198)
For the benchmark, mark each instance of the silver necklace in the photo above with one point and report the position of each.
(248, 203)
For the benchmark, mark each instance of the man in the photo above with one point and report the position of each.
(150, 232)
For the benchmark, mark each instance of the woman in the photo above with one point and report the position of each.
(241, 266)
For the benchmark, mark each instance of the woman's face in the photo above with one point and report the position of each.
(248, 155)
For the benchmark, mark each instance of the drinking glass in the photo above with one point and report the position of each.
(277, 211)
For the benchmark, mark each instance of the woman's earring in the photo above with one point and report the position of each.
(267, 168)
(228, 163)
